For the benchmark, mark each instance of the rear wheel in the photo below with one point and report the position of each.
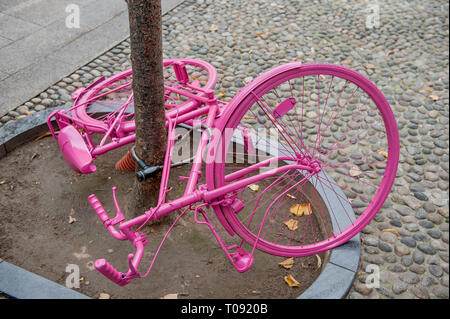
(321, 114)
(99, 105)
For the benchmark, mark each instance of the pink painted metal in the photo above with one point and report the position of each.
(221, 189)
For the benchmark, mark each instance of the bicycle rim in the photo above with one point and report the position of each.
(339, 119)
(99, 105)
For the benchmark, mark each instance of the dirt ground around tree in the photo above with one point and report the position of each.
(38, 193)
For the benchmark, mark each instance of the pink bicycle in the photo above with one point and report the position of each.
(294, 137)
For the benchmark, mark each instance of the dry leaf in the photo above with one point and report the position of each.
(434, 97)
(247, 117)
(319, 262)
(3, 182)
(258, 33)
(355, 171)
(104, 295)
(253, 187)
(287, 264)
(290, 196)
(370, 66)
(292, 224)
(170, 296)
(221, 94)
(34, 156)
(301, 209)
(390, 230)
(385, 154)
(45, 135)
(72, 220)
(291, 281)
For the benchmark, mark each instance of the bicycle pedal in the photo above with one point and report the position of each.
(242, 260)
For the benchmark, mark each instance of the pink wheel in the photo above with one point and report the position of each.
(326, 116)
(98, 105)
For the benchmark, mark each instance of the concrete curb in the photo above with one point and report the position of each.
(334, 282)
(19, 283)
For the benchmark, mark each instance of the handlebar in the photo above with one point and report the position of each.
(138, 240)
(110, 272)
(107, 222)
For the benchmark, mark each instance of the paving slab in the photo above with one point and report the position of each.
(43, 12)
(4, 41)
(23, 82)
(7, 4)
(13, 28)
(44, 38)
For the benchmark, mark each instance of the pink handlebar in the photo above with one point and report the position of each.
(138, 240)
(109, 223)
(97, 206)
(110, 272)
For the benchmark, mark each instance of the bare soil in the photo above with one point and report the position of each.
(38, 193)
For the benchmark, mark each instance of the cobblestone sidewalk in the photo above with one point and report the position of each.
(407, 58)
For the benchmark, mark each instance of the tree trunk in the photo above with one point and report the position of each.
(148, 88)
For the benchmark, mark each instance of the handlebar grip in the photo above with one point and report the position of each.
(97, 206)
(110, 272)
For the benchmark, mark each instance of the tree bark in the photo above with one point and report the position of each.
(148, 88)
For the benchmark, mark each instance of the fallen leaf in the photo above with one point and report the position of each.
(434, 97)
(170, 296)
(370, 66)
(319, 262)
(385, 154)
(104, 295)
(290, 196)
(221, 94)
(34, 156)
(3, 182)
(258, 33)
(292, 224)
(287, 264)
(301, 209)
(427, 90)
(390, 230)
(291, 281)
(249, 117)
(253, 187)
(72, 220)
(355, 171)
(45, 135)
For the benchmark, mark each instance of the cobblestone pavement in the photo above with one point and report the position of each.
(406, 56)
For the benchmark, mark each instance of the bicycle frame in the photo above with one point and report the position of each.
(194, 193)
